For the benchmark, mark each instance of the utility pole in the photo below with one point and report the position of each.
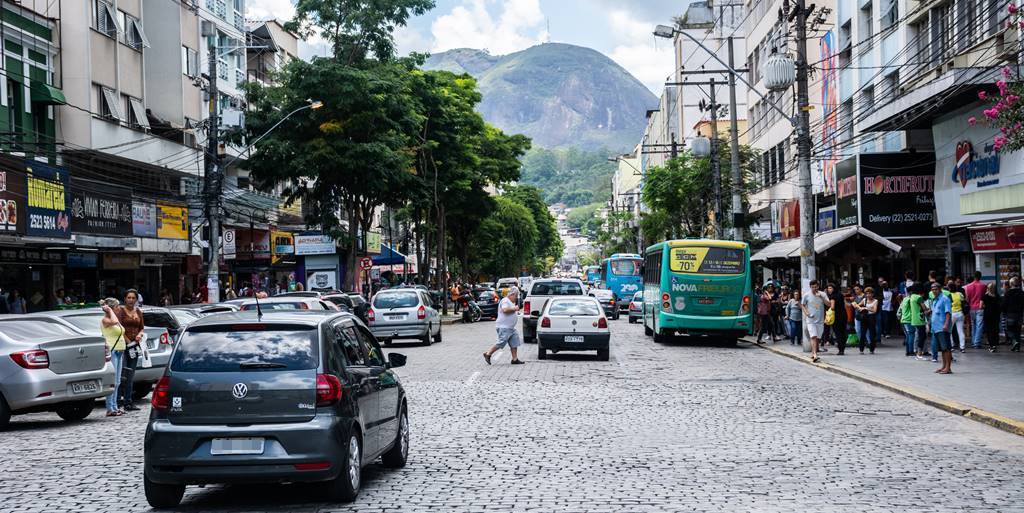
(213, 184)
(716, 171)
(737, 174)
(808, 270)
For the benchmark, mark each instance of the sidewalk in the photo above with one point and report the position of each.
(984, 386)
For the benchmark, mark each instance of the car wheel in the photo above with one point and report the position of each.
(140, 390)
(437, 338)
(542, 354)
(387, 342)
(345, 487)
(399, 452)
(5, 414)
(73, 412)
(425, 339)
(603, 354)
(162, 496)
(729, 341)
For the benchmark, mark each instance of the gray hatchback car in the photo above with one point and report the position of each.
(404, 313)
(289, 396)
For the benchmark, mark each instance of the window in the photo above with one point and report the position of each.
(358, 346)
(846, 121)
(866, 25)
(867, 101)
(189, 62)
(569, 307)
(107, 104)
(13, 101)
(256, 347)
(921, 34)
(133, 33)
(104, 19)
(32, 330)
(994, 14)
(136, 112)
(404, 299)
(941, 33)
(554, 288)
(890, 14)
(370, 349)
(890, 84)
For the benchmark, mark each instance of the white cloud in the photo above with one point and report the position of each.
(636, 49)
(263, 9)
(471, 25)
(408, 39)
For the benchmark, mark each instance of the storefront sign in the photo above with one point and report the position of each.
(846, 193)
(789, 220)
(314, 244)
(283, 243)
(983, 169)
(827, 219)
(322, 280)
(31, 256)
(143, 218)
(80, 260)
(252, 244)
(48, 214)
(120, 261)
(998, 238)
(12, 202)
(172, 221)
(897, 194)
(100, 209)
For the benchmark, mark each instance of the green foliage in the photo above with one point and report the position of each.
(618, 234)
(356, 28)
(571, 176)
(585, 219)
(549, 244)
(506, 241)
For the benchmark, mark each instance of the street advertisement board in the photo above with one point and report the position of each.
(826, 219)
(825, 181)
(314, 243)
(172, 221)
(282, 243)
(322, 280)
(143, 218)
(847, 208)
(47, 204)
(897, 194)
(789, 219)
(12, 202)
(373, 242)
(100, 209)
(252, 244)
(998, 238)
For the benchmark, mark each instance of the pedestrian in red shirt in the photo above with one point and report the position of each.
(974, 291)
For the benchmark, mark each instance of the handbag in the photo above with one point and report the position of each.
(147, 361)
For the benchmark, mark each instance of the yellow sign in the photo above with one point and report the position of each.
(171, 221)
(706, 260)
(281, 243)
(373, 242)
(687, 260)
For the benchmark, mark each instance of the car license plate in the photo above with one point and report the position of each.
(85, 387)
(573, 338)
(728, 312)
(395, 317)
(705, 301)
(229, 446)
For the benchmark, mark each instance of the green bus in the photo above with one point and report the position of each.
(697, 287)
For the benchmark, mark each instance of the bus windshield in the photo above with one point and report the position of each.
(698, 260)
(625, 267)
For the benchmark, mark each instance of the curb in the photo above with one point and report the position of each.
(995, 420)
(450, 321)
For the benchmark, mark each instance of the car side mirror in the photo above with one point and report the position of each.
(396, 360)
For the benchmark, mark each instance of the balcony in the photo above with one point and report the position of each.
(239, 77)
(239, 21)
(218, 7)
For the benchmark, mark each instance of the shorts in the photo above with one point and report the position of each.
(942, 340)
(815, 330)
(509, 337)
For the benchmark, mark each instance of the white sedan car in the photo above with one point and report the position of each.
(573, 324)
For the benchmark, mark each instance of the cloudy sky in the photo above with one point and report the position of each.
(621, 29)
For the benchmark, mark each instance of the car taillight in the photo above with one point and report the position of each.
(421, 313)
(106, 352)
(745, 308)
(665, 297)
(303, 306)
(165, 338)
(545, 322)
(602, 323)
(495, 298)
(370, 316)
(328, 389)
(32, 359)
(526, 307)
(632, 305)
(161, 399)
(612, 300)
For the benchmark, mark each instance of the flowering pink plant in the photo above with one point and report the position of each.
(1005, 110)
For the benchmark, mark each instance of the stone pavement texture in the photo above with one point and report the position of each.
(993, 382)
(660, 427)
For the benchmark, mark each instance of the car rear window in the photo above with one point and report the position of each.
(273, 306)
(356, 300)
(160, 320)
(246, 347)
(564, 288)
(340, 300)
(574, 307)
(30, 329)
(184, 317)
(698, 260)
(396, 300)
(90, 323)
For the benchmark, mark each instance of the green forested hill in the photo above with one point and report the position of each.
(570, 175)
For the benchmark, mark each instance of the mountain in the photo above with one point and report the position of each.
(560, 95)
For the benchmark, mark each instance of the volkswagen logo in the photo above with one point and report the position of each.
(239, 390)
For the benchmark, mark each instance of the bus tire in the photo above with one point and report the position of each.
(659, 335)
(647, 331)
(729, 341)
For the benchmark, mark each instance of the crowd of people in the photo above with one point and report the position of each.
(934, 317)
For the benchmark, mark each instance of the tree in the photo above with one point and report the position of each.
(585, 219)
(618, 234)
(356, 28)
(506, 239)
(549, 243)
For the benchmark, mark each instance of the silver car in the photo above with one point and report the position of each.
(404, 314)
(158, 342)
(48, 365)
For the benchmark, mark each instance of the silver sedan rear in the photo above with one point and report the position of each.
(48, 365)
(406, 313)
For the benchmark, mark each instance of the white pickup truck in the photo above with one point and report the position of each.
(540, 291)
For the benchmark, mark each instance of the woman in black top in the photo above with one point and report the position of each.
(991, 315)
(838, 305)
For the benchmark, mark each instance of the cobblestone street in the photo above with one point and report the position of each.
(673, 427)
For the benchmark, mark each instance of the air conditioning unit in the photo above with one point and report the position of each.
(207, 28)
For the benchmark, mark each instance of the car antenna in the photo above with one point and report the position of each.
(259, 311)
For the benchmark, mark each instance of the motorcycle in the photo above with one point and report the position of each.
(471, 312)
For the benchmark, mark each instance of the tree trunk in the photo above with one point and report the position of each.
(353, 243)
(442, 263)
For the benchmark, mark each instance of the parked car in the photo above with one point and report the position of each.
(404, 314)
(301, 293)
(295, 396)
(636, 307)
(341, 300)
(158, 342)
(202, 309)
(48, 365)
(573, 324)
(607, 300)
(503, 285)
(540, 291)
(163, 318)
(286, 303)
(487, 301)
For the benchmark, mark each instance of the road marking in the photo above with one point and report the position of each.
(472, 378)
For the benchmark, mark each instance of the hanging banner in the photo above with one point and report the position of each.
(100, 209)
(172, 221)
(143, 218)
(825, 181)
(47, 204)
(12, 202)
(373, 243)
(789, 222)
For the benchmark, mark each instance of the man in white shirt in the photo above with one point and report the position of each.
(814, 306)
(506, 326)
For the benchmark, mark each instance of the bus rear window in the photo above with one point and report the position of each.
(698, 260)
(625, 267)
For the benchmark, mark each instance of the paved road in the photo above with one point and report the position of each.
(658, 428)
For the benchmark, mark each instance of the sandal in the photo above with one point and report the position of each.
(815, 359)
(114, 413)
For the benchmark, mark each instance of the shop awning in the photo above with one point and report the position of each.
(388, 256)
(822, 242)
(47, 94)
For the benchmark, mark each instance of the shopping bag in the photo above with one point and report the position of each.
(146, 361)
(830, 317)
(852, 340)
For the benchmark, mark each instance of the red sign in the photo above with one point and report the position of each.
(789, 222)
(998, 238)
(366, 263)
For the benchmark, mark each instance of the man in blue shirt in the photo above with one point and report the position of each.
(942, 311)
